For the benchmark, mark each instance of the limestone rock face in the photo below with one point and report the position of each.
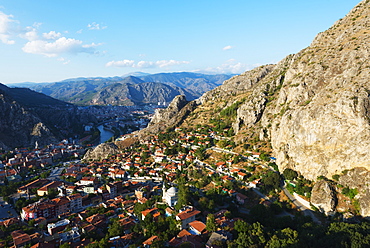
(163, 115)
(102, 151)
(359, 178)
(323, 197)
(237, 84)
(314, 106)
(324, 128)
(172, 116)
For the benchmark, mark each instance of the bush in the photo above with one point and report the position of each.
(336, 177)
(290, 174)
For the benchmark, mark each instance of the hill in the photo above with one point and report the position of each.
(311, 111)
(27, 116)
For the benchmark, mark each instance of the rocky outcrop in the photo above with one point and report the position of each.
(237, 84)
(322, 125)
(100, 152)
(164, 115)
(170, 117)
(314, 106)
(323, 197)
(358, 178)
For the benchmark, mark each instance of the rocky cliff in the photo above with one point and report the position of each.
(172, 116)
(100, 152)
(313, 107)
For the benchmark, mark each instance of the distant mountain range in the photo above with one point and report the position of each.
(129, 90)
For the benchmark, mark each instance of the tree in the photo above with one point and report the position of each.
(290, 174)
(115, 229)
(184, 194)
(211, 223)
(265, 157)
(271, 180)
(284, 238)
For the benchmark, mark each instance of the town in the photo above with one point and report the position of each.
(183, 186)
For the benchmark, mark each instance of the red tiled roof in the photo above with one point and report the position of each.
(150, 240)
(183, 233)
(198, 225)
(187, 214)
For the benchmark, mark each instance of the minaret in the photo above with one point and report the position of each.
(164, 191)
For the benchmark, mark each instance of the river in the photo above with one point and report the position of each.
(104, 134)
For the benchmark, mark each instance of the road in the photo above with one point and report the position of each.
(305, 211)
(6, 210)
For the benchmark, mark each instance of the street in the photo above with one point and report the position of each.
(306, 211)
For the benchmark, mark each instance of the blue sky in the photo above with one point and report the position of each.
(46, 41)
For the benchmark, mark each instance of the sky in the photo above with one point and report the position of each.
(49, 41)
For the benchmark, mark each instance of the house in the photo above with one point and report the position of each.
(227, 178)
(255, 183)
(70, 236)
(187, 216)
(240, 198)
(197, 227)
(117, 173)
(221, 166)
(112, 189)
(192, 241)
(33, 185)
(126, 223)
(50, 186)
(183, 233)
(89, 189)
(62, 205)
(38, 209)
(88, 181)
(54, 228)
(149, 241)
(20, 239)
(97, 220)
(153, 211)
(217, 236)
(75, 202)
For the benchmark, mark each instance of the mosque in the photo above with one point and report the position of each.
(170, 196)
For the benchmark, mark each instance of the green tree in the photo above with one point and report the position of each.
(211, 223)
(271, 181)
(284, 238)
(290, 174)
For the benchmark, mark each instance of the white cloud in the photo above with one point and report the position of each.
(168, 63)
(52, 35)
(145, 64)
(227, 48)
(95, 26)
(230, 66)
(6, 28)
(30, 32)
(57, 47)
(65, 62)
(121, 63)
(92, 45)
